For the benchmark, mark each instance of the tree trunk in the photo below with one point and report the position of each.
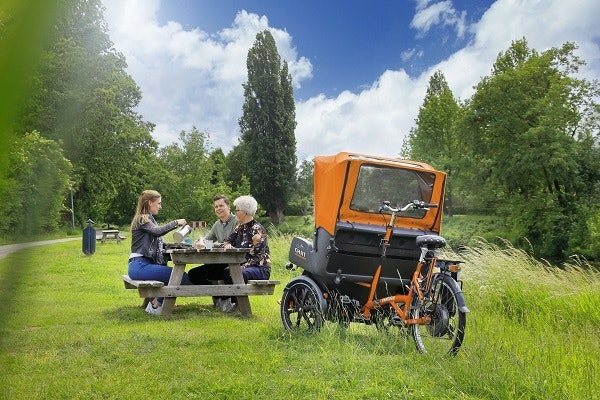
(276, 216)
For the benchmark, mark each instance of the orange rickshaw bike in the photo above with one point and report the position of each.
(374, 255)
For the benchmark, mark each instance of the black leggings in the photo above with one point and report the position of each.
(207, 273)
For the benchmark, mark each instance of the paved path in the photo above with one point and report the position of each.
(10, 248)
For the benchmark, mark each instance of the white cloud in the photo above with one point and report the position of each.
(410, 54)
(442, 13)
(189, 77)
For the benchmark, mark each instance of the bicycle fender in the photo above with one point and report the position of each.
(460, 299)
(308, 280)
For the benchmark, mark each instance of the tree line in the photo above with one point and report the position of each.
(524, 146)
(77, 135)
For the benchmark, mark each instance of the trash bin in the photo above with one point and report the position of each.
(89, 239)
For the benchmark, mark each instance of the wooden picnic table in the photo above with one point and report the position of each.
(110, 234)
(181, 257)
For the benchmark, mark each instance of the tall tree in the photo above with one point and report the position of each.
(84, 100)
(434, 139)
(267, 126)
(530, 130)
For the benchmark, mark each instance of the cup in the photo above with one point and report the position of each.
(208, 244)
(199, 244)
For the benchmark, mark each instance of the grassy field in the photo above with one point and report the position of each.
(69, 330)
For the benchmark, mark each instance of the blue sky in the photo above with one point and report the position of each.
(349, 43)
(360, 68)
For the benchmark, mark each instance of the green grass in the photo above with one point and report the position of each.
(69, 330)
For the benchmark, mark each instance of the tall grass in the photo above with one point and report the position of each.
(69, 329)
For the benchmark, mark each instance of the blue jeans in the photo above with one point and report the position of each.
(144, 269)
(250, 272)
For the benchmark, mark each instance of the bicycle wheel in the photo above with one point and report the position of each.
(302, 306)
(445, 333)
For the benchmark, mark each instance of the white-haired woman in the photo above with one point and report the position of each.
(252, 235)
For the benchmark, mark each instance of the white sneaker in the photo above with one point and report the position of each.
(153, 311)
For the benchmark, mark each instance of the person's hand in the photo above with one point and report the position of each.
(181, 222)
(227, 246)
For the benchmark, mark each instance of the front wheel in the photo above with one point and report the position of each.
(302, 306)
(446, 330)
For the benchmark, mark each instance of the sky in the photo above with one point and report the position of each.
(360, 68)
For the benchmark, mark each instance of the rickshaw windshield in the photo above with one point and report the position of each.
(377, 184)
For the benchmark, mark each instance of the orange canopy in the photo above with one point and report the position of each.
(337, 197)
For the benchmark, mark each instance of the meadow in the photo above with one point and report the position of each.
(69, 330)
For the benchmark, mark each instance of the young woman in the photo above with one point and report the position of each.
(147, 259)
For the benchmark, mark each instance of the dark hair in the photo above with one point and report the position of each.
(221, 196)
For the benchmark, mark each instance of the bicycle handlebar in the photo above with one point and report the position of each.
(415, 204)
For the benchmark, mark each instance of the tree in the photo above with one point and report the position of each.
(184, 176)
(38, 181)
(84, 100)
(529, 132)
(267, 126)
(435, 139)
(301, 202)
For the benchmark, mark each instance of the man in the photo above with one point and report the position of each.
(221, 229)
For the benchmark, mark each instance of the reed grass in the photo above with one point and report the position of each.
(69, 330)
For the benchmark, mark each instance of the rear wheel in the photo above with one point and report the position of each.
(302, 306)
(445, 332)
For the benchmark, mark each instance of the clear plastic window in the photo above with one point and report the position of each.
(377, 184)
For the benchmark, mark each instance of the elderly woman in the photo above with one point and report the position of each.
(252, 235)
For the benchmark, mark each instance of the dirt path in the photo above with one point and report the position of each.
(11, 248)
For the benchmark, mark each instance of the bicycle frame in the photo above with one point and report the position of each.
(415, 287)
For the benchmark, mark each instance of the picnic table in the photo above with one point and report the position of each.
(181, 257)
(110, 234)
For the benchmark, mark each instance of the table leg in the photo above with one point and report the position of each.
(243, 302)
(174, 280)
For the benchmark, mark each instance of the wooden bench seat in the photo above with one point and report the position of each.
(133, 284)
(151, 289)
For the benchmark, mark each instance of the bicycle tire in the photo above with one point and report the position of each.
(445, 334)
(302, 306)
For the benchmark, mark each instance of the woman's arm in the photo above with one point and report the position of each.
(159, 230)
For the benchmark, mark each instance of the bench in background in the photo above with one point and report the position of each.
(109, 234)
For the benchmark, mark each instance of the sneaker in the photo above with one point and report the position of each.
(228, 306)
(153, 311)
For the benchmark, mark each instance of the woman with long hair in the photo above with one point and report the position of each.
(147, 259)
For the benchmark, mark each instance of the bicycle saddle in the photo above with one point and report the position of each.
(430, 241)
